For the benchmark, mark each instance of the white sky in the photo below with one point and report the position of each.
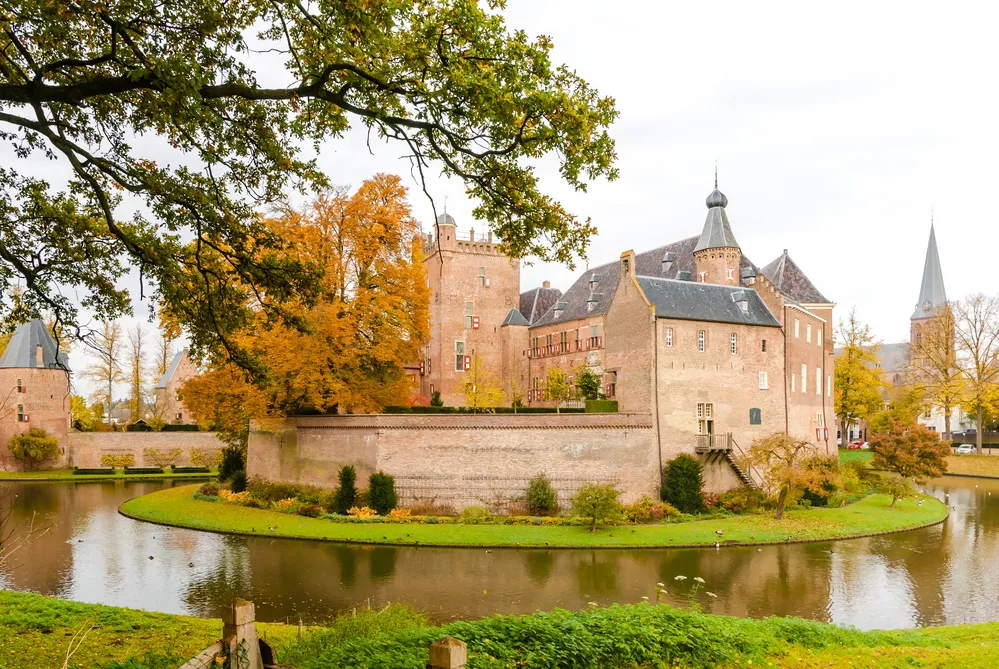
(836, 128)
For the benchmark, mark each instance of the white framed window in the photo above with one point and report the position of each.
(669, 336)
(468, 314)
(700, 341)
(797, 328)
(482, 276)
(804, 378)
(828, 385)
(705, 418)
(808, 333)
(818, 381)
(820, 420)
(818, 337)
(764, 385)
(730, 274)
(792, 381)
(459, 356)
(734, 343)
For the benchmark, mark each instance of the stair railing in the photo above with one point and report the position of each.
(743, 460)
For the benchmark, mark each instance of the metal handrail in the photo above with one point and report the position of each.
(754, 476)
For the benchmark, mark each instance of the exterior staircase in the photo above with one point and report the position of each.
(723, 445)
(746, 478)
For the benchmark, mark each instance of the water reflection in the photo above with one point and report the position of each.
(941, 575)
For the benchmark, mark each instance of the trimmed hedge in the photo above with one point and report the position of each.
(170, 427)
(143, 470)
(93, 471)
(601, 406)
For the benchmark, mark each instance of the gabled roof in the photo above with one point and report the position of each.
(688, 300)
(21, 349)
(535, 302)
(171, 370)
(785, 274)
(932, 295)
(514, 317)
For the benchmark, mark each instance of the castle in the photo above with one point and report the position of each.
(692, 332)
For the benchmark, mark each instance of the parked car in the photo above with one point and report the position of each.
(865, 446)
(855, 445)
(964, 449)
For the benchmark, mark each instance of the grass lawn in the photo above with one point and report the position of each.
(847, 456)
(35, 631)
(178, 507)
(67, 475)
(977, 465)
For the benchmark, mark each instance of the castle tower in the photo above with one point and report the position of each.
(473, 286)
(717, 255)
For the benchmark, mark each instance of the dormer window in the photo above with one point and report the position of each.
(594, 280)
(559, 308)
(592, 300)
(668, 259)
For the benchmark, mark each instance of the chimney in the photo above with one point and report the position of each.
(546, 284)
(39, 357)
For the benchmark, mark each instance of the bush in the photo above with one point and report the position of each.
(346, 494)
(310, 510)
(435, 399)
(205, 457)
(113, 460)
(640, 511)
(683, 479)
(361, 512)
(209, 490)
(826, 469)
(741, 499)
(381, 493)
(540, 496)
(156, 424)
(237, 481)
(601, 406)
(897, 487)
(598, 502)
(232, 461)
(474, 512)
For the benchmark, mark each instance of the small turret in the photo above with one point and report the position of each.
(717, 255)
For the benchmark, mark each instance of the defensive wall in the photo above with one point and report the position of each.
(461, 460)
(87, 448)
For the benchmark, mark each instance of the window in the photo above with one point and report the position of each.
(829, 385)
(700, 341)
(818, 337)
(459, 356)
(808, 333)
(792, 382)
(482, 276)
(764, 384)
(734, 343)
(820, 420)
(804, 378)
(704, 277)
(818, 381)
(20, 413)
(594, 336)
(669, 336)
(705, 418)
(611, 389)
(730, 275)
(563, 341)
(755, 417)
(20, 386)
(797, 328)
(763, 345)
(468, 314)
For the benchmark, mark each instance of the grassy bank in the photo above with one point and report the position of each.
(67, 475)
(975, 465)
(35, 630)
(870, 515)
(858, 455)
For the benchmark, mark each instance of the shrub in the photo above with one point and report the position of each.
(598, 502)
(826, 471)
(117, 460)
(361, 512)
(710, 500)
(682, 483)
(431, 508)
(435, 399)
(897, 487)
(663, 510)
(237, 481)
(399, 513)
(540, 496)
(235, 497)
(640, 511)
(381, 493)
(310, 510)
(162, 458)
(205, 457)
(156, 424)
(868, 478)
(209, 490)
(473, 515)
(232, 461)
(283, 504)
(346, 494)
(741, 499)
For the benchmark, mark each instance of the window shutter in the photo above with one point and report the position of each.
(475, 322)
(468, 362)
(25, 418)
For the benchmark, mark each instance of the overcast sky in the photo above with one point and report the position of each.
(835, 128)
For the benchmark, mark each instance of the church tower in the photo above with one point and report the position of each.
(932, 295)
(717, 255)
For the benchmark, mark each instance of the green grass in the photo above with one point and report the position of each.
(975, 465)
(67, 475)
(35, 631)
(872, 514)
(848, 456)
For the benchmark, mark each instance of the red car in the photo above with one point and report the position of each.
(856, 445)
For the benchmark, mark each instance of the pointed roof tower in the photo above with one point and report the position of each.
(31, 346)
(717, 232)
(932, 295)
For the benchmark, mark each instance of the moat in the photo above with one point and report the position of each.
(937, 576)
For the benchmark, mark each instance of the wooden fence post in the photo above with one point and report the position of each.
(448, 653)
(238, 629)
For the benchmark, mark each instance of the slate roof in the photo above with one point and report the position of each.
(787, 276)
(535, 302)
(648, 263)
(171, 370)
(931, 291)
(894, 357)
(717, 232)
(688, 300)
(20, 351)
(514, 317)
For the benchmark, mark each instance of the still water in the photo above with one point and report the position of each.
(944, 575)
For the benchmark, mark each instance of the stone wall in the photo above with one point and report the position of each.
(86, 448)
(44, 402)
(462, 460)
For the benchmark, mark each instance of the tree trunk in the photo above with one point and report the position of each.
(842, 433)
(947, 425)
(781, 498)
(978, 430)
(893, 500)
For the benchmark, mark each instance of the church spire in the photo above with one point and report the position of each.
(931, 291)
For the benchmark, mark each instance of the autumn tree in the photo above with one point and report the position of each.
(906, 403)
(81, 416)
(136, 358)
(95, 86)
(482, 390)
(976, 336)
(588, 383)
(108, 349)
(556, 387)
(858, 379)
(371, 318)
(933, 364)
(784, 462)
(909, 450)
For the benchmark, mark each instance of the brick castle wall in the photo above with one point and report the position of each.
(45, 401)
(86, 448)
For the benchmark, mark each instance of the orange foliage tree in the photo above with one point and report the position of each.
(909, 450)
(347, 348)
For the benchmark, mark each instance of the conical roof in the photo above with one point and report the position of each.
(21, 351)
(717, 232)
(932, 295)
